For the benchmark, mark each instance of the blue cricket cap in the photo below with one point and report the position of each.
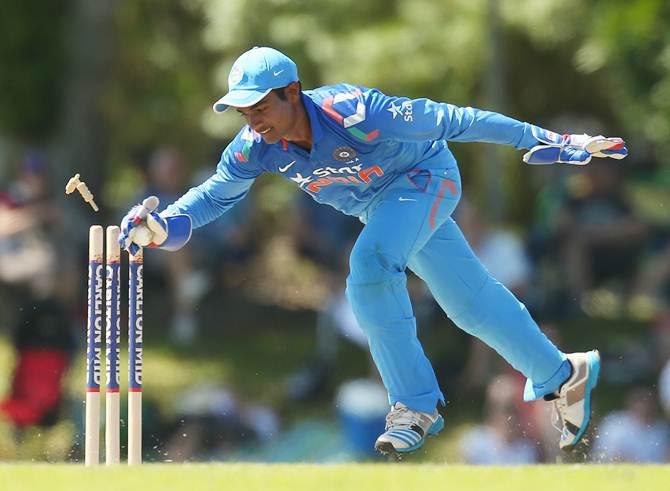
(254, 74)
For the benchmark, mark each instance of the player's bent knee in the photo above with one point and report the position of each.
(381, 303)
(372, 265)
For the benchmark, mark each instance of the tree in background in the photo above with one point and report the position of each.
(100, 79)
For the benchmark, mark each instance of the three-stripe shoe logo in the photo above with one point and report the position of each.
(407, 436)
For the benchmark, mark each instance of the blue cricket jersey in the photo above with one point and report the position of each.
(362, 140)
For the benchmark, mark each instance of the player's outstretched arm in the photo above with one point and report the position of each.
(143, 227)
(423, 119)
(553, 148)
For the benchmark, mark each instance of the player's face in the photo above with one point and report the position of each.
(273, 117)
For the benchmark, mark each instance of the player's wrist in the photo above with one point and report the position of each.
(178, 232)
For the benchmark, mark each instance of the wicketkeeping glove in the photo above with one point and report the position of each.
(143, 227)
(572, 149)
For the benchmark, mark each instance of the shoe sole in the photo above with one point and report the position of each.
(387, 448)
(593, 359)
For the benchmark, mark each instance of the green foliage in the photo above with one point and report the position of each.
(604, 60)
(415, 48)
(635, 39)
(32, 63)
(161, 75)
(625, 44)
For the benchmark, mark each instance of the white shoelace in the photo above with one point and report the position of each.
(556, 419)
(402, 417)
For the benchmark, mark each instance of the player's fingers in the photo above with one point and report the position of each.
(151, 203)
(575, 156)
(124, 240)
(135, 220)
(133, 248)
(155, 222)
(158, 226)
(618, 153)
(133, 217)
(600, 143)
(542, 154)
(131, 235)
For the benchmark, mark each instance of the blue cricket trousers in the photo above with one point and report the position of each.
(410, 225)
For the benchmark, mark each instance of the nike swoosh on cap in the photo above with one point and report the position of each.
(276, 74)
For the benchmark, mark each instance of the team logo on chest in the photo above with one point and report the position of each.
(344, 154)
(301, 180)
(325, 176)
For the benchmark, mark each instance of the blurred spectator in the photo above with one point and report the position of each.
(503, 254)
(597, 234)
(651, 288)
(34, 262)
(650, 197)
(225, 244)
(166, 178)
(500, 440)
(38, 273)
(635, 434)
(335, 319)
(27, 221)
(661, 342)
(664, 389)
(323, 234)
(213, 422)
(166, 175)
(362, 405)
(44, 343)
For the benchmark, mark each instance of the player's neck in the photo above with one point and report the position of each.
(301, 133)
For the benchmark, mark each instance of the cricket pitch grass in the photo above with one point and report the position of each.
(295, 477)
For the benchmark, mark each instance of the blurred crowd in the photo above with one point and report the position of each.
(596, 255)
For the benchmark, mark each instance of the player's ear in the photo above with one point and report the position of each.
(292, 92)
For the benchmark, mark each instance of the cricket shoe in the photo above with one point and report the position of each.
(572, 402)
(407, 429)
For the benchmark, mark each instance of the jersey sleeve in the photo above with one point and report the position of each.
(401, 118)
(236, 171)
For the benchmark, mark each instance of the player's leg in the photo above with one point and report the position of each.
(377, 291)
(483, 307)
(400, 224)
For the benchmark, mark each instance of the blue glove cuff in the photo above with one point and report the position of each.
(179, 230)
(547, 137)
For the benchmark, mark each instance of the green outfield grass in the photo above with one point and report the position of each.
(386, 477)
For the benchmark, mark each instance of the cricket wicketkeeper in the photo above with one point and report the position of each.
(386, 160)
